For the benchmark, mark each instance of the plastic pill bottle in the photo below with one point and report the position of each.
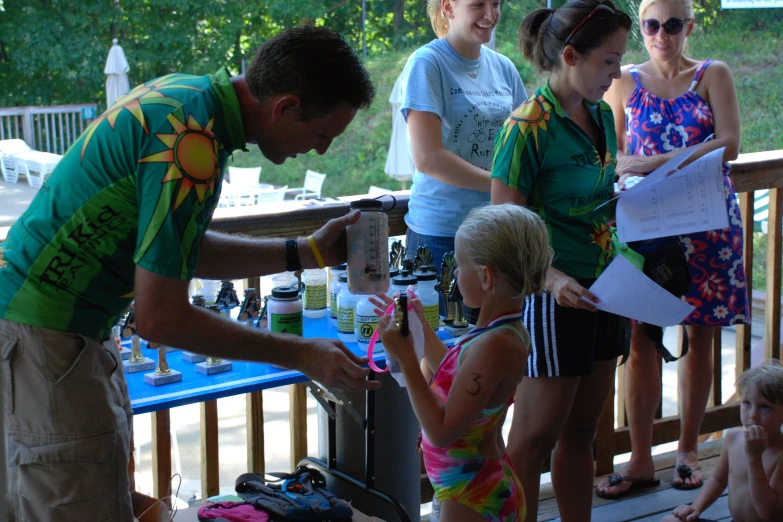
(285, 310)
(429, 297)
(346, 312)
(315, 293)
(334, 289)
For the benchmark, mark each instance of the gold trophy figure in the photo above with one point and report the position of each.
(191, 357)
(214, 364)
(227, 298)
(444, 285)
(163, 374)
(396, 254)
(136, 361)
(251, 307)
(455, 299)
(423, 258)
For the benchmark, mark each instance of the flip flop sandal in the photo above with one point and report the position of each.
(685, 472)
(636, 484)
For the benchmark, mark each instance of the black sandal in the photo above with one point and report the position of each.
(617, 479)
(685, 472)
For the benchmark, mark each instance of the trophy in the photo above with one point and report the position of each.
(396, 254)
(423, 258)
(198, 300)
(263, 318)
(251, 307)
(456, 324)
(116, 333)
(227, 298)
(214, 364)
(136, 362)
(162, 374)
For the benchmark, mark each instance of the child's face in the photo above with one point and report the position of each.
(756, 410)
(468, 277)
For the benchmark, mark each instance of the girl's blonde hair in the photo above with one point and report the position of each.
(686, 4)
(511, 240)
(438, 20)
(768, 380)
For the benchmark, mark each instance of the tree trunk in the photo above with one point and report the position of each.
(399, 15)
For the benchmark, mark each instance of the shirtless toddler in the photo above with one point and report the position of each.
(751, 462)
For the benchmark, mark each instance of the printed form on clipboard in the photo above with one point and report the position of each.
(670, 202)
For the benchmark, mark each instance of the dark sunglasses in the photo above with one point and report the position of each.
(600, 7)
(651, 26)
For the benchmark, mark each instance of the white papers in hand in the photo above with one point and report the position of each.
(689, 200)
(624, 290)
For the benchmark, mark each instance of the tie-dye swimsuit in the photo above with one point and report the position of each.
(459, 472)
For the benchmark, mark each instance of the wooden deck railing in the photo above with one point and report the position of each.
(750, 172)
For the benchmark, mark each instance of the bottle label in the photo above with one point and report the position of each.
(432, 317)
(345, 319)
(286, 323)
(315, 297)
(333, 304)
(365, 327)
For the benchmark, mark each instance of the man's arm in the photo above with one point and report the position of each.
(164, 315)
(230, 257)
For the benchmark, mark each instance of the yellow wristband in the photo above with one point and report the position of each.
(316, 252)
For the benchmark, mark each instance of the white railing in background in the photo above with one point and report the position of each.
(49, 129)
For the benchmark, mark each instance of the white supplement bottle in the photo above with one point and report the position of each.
(315, 294)
(366, 324)
(285, 310)
(368, 249)
(393, 272)
(428, 296)
(402, 281)
(334, 289)
(346, 312)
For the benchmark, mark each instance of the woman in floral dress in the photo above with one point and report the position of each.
(661, 107)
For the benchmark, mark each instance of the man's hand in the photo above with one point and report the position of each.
(687, 513)
(755, 441)
(330, 363)
(635, 165)
(568, 292)
(331, 241)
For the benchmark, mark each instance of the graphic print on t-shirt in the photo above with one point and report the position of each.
(474, 134)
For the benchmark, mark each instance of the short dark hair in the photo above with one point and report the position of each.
(314, 63)
(543, 33)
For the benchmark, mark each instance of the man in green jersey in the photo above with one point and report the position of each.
(124, 216)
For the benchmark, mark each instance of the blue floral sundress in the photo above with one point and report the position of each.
(656, 126)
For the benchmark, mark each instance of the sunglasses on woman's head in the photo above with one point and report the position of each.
(651, 26)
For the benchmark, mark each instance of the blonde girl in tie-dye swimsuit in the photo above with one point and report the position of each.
(503, 254)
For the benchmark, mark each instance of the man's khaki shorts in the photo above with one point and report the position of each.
(68, 426)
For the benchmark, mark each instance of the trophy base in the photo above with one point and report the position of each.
(454, 331)
(193, 357)
(159, 380)
(146, 365)
(147, 346)
(125, 353)
(211, 369)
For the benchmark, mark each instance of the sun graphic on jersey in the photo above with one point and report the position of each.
(192, 155)
(603, 166)
(602, 236)
(146, 94)
(530, 117)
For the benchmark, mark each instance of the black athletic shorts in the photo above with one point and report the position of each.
(566, 342)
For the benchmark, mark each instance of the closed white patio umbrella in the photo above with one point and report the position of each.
(117, 74)
(399, 163)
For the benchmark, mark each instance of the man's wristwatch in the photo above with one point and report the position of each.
(292, 263)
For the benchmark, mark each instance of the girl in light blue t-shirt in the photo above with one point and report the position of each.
(456, 95)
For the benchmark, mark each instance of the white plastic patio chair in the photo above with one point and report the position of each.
(35, 181)
(272, 196)
(312, 186)
(13, 146)
(8, 168)
(244, 177)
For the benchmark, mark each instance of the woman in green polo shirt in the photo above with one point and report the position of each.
(556, 154)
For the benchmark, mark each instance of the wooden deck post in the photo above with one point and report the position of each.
(742, 344)
(254, 406)
(297, 398)
(161, 454)
(210, 464)
(772, 319)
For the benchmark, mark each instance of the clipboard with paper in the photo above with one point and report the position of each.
(671, 201)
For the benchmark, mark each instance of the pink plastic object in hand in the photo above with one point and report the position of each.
(374, 339)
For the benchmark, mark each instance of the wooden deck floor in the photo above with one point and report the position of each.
(652, 504)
